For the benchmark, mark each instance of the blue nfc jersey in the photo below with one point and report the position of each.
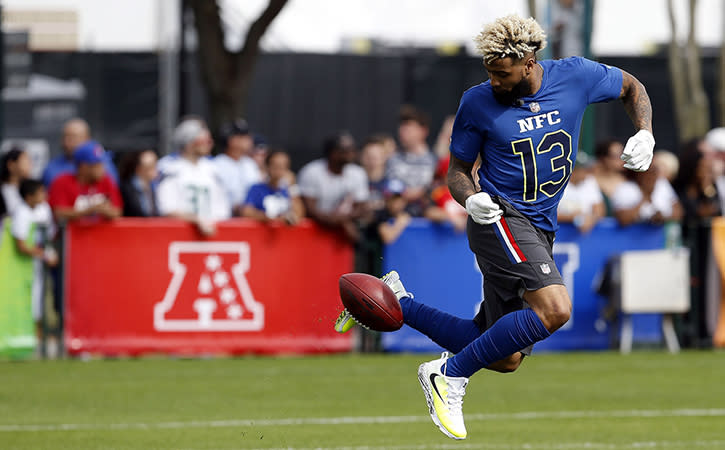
(528, 150)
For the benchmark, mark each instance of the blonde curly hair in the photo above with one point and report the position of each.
(510, 36)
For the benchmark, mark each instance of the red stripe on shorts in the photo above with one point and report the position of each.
(513, 241)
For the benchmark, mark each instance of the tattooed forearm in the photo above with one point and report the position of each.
(636, 102)
(460, 180)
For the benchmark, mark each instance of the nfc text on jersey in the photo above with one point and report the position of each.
(536, 122)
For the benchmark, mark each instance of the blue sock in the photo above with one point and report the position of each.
(450, 332)
(509, 334)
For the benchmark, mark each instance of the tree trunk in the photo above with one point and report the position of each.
(688, 94)
(700, 119)
(226, 75)
(532, 8)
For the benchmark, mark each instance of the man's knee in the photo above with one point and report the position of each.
(507, 365)
(552, 304)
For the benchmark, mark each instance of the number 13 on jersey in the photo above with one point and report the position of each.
(558, 145)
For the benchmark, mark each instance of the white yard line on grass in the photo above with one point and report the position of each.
(528, 415)
(529, 446)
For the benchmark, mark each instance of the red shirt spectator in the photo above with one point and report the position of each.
(88, 192)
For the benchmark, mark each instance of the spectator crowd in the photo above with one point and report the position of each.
(368, 193)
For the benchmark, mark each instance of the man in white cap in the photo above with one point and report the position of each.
(189, 189)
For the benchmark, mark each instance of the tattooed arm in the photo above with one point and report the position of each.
(636, 102)
(460, 180)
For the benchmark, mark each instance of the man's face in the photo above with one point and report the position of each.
(613, 159)
(510, 78)
(201, 146)
(37, 198)
(411, 133)
(91, 172)
(278, 166)
(74, 134)
(239, 145)
(343, 155)
(146, 169)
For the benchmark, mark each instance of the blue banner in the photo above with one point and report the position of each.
(437, 266)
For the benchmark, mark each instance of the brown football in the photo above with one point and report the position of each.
(371, 302)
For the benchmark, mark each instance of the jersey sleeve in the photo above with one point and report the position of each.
(309, 187)
(220, 207)
(167, 196)
(602, 82)
(361, 191)
(255, 197)
(59, 194)
(466, 138)
(21, 222)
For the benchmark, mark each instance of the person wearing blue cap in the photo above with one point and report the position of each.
(75, 133)
(89, 192)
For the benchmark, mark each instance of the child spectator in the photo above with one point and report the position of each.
(582, 202)
(393, 219)
(274, 200)
(138, 172)
(414, 164)
(373, 159)
(15, 166)
(34, 213)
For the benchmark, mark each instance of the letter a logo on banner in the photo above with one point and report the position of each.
(208, 290)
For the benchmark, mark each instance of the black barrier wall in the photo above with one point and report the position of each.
(298, 99)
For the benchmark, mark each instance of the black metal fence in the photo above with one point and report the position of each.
(298, 99)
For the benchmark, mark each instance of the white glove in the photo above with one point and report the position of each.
(637, 154)
(482, 209)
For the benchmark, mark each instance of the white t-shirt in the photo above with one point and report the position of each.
(628, 195)
(12, 197)
(236, 176)
(192, 188)
(22, 220)
(581, 198)
(332, 190)
(24, 217)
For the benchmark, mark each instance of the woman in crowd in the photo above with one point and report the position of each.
(15, 166)
(275, 199)
(138, 172)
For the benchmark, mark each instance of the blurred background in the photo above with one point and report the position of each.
(133, 68)
(362, 84)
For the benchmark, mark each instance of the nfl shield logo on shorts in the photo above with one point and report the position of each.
(545, 268)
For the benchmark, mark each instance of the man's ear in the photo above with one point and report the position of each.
(530, 63)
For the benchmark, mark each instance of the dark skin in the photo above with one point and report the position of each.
(336, 161)
(510, 79)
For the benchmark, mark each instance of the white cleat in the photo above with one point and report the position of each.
(392, 279)
(444, 396)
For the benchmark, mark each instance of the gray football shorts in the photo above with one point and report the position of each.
(514, 257)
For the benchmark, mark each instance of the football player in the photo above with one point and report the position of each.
(524, 124)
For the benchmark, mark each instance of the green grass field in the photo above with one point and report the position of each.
(570, 401)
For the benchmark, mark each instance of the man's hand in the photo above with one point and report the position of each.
(637, 154)
(482, 209)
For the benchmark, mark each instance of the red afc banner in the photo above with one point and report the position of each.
(155, 285)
